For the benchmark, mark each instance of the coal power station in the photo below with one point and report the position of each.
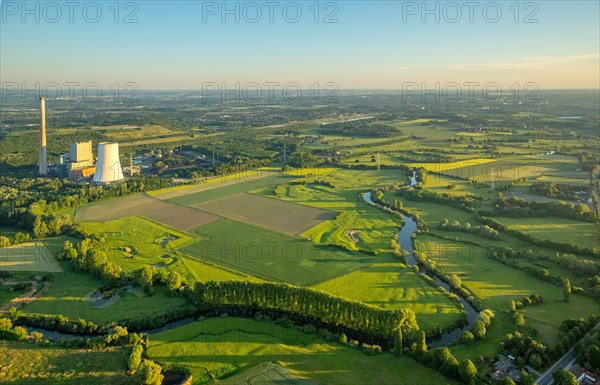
(78, 163)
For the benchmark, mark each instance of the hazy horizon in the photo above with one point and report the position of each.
(354, 44)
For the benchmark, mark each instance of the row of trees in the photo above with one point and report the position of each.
(484, 230)
(389, 324)
(18, 238)
(463, 202)
(533, 299)
(520, 208)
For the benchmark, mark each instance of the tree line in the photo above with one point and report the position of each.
(389, 324)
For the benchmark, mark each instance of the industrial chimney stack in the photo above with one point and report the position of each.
(43, 153)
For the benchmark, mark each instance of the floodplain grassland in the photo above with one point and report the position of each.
(24, 363)
(221, 347)
(561, 230)
(203, 271)
(391, 285)
(385, 282)
(135, 242)
(270, 255)
(496, 284)
(67, 297)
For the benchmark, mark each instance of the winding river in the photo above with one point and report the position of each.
(405, 243)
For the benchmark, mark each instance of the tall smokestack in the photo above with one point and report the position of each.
(43, 153)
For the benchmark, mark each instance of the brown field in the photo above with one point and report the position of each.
(287, 217)
(30, 256)
(179, 217)
(251, 178)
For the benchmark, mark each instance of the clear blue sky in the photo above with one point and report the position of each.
(371, 46)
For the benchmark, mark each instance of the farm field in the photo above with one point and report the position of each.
(246, 179)
(271, 255)
(135, 242)
(286, 217)
(30, 256)
(266, 374)
(24, 363)
(560, 230)
(226, 346)
(183, 218)
(66, 296)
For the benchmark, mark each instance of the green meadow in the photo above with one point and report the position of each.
(222, 347)
(67, 297)
(270, 255)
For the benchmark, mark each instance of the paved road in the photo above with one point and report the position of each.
(563, 362)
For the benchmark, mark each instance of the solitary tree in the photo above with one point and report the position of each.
(478, 330)
(566, 290)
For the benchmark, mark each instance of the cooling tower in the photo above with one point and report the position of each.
(43, 155)
(108, 168)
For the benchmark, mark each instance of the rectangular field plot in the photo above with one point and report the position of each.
(287, 217)
(31, 256)
(271, 255)
(183, 218)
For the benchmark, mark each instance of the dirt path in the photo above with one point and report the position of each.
(351, 234)
(26, 297)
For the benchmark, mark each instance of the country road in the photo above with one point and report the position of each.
(563, 362)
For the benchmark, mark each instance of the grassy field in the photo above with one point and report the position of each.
(204, 271)
(364, 227)
(561, 230)
(24, 363)
(150, 243)
(275, 214)
(226, 346)
(29, 256)
(6, 294)
(391, 285)
(271, 255)
(68, 290)
(183, 218)
(496, 284)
